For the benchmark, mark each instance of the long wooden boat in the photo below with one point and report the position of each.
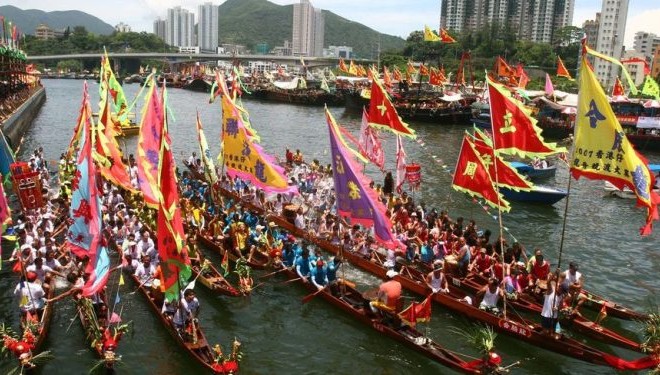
(104, 347)
(473, 283)
(355, 304)
(259, 260)
(525, 330)
(212, 279)
(200, 350)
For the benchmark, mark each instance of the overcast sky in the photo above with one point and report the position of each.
(396, 17)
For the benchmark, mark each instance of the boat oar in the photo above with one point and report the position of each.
(273, 273)
(292, 280)
(309, 297)
(141, 285)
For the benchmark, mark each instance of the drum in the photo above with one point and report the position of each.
(451, 264)
(289, 212)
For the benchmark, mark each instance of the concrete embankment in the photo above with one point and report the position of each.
(15, 126)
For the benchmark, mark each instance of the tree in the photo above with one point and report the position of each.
(69, 66)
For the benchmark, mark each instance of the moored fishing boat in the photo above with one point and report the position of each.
(534, 172)
(539, 194)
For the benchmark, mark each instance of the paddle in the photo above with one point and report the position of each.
(273, 273)
(309, 297)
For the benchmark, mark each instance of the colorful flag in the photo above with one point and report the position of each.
(114, 88)
(504, 70)
(410, 68)
(387, 78)
(417, 312)
(549, 88)
(617, 88)
(149, 142)
(430, 35)
(631, 83)
(651, 87)
(472, 177)
(324, 85)
(7, 157)
(514, 129)
(445, 37)
(121, 278)
(562, 71)
(175, 264)
(501, 172)
(396, 74)
(370, 145)
(355, 199)
(602, 150)
(523, 78)
(352, 69)
(205, 154)
(400, 165)
(383, 114)
(423, 70)
(342, 66)
(224, 264)
(243, 157)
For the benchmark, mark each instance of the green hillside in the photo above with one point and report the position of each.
(250, 22)
(28, 20)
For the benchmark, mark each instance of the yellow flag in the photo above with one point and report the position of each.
(651, 87)
(121, 279)
(24, 301)
(602, 150)
(429, 35)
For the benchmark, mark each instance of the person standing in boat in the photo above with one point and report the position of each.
(549, 313)
(186, 313)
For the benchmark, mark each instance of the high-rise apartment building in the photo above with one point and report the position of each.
(611, 30)
(179, 30)
(590, 28)
(159, 28)
(207, 28)
(308, 30)
(646, 44)
(534, 20)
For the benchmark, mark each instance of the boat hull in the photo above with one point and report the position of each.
(545, 196)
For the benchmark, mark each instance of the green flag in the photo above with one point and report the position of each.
(651, 87)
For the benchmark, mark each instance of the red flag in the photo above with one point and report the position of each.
(561, 69)
(410, 69)
(472, 177)
(417, 312)
(396, 73)
(400, 165)
(524, 79)
(342, 66)
(423, 70)
(514, 130)
(506, 175)
(387, 79)
(436, 77)
(445, 37)
(383, 114)
(617, 89)
(149, 142)
(503, 69)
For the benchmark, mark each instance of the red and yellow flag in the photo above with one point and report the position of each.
(410, 68)
(514, 129)
(602, 150)
(387, 79)
(417, 312)
(342, 66)
(561, 69)
(435, 78)
(523, 78)
(430, 35)
(617, 89)
(352, 68)
(423, 70)
(149, 142)
(396, 74)
(504, 70)
(506, 175)
(445, 37)
(382, 113)
(471, 176)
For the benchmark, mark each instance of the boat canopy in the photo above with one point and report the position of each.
(287, 85)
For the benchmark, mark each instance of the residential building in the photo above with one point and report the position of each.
(343, 52)
(308, 30)
(284, 50)
(207, 28)
(122, 28)
(179, 29)
(159, 28)
(611, 32)
(636, 69)
(646, 44)
(44, 32)
(533, 20)
(655, 67)
(590, 28)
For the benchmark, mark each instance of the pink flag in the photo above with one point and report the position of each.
(370, 144)
(549, 89)
(115, 318)
(400, 165)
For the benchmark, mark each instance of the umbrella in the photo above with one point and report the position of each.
(652, 104)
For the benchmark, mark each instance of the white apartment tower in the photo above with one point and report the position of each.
(180, 28)
(646, 44)
(207, 28)
(308, 30)
(613, 16)
(159, 28)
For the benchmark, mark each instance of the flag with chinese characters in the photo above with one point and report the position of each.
(175, 264)
(243, 157)
(617, 88)
(514, 129)
(602, 150)
(651, 87)
(355, 200)
(370, 145)
(472, 177)
(437, 77)
(383, 114)
(400, 165)
(114, 87)
(417, 312)
(423, 70)
(561, 70)
(430, 35)
(205, 154)
(445, 37)
(506, 176)
(149, 139)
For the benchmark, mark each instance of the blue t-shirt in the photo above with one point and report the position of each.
(302, 265)
(319, 275)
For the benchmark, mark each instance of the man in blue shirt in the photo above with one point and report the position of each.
(319, 275)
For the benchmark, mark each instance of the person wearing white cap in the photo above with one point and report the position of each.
(436, 279)
(389, 295)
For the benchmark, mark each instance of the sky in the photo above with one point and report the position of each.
(395, 17)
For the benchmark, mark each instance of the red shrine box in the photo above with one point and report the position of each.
(27, 185)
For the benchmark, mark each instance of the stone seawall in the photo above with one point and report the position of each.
(20, 121)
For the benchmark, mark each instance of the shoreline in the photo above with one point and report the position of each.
(15, 126)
